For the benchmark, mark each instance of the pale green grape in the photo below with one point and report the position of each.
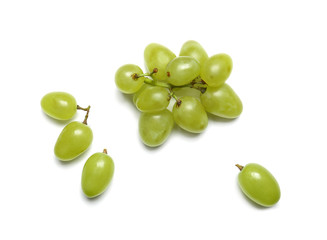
(190, 115)
(74, 139)
(154, 128)
(135, 96)
(97, 174)
(182, 70)
(222, 101)
(152, 99)
(126, 80)
(59, 105)
(259, 184)
(216, 69)
(193, 49)
(157, 56)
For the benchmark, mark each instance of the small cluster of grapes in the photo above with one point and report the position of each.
(166, 74)
(75, 138)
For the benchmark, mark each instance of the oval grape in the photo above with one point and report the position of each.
(182, 70)
(222, 101)
(59, 105)
(97, 174)
(193, 49)
(216, 69)
(126, 80)
(74, 139)
(152, 99)
(154, 128)
(258, 184)
(190, 115)
(157, 56)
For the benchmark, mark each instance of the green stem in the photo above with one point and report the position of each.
(136, 76)
(178, 101)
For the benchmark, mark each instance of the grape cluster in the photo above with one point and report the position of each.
(74, 139)
(165, 75)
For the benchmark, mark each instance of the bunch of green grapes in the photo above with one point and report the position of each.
(75, 139)
(165, 74)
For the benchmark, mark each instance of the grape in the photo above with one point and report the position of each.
(74, 139)
(59, 105)
(258, 184)
(182, 70)
(190, 115)
(216, 69)
(126, 80)
(152, 99)
(97, 174)
(154, 128)
(222, 101)
(194, 49)
(157, 56)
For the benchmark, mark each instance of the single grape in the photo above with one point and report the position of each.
(59, 105)
(154, 128)
(190, 115)
(97, 174)
(194, 49)
(136, 95)
(152, 99)
(157, 56)
(127, 80)
(258, 184)
(74, 139)
(222, 101)
(182, 70)
(216, 69)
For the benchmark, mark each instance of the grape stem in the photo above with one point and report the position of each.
(105, 151)
(86, 115)
(239, 166)
(178, 101)
(136, 76)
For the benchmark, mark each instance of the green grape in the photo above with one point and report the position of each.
(258, 184)
(154, 128)
(74, 139)
(97, 174)
(194, 49)
(157, 56)
(182, 70)
(59, 105)
(126, 78)
(216, 69)
(136, 95)
(152, 99)
(222, 101)
(190, 115)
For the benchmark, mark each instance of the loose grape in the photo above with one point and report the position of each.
(152, 99)
(126, 78)
(194, 49)
(258, 184)
(74, 139)
(190, 115)
(157, 56)
(222, 101)
(182, 70)
(59, 105)
(97, 174)
(216, 69)
(154, 128)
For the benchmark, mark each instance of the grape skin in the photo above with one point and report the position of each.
(190, 115)
(124, 78)
(74, 139)
(97, 174)
(193, 49)
(59, 105)
(258, 184)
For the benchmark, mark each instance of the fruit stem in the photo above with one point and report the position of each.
(105, 151)
(157, 83)
(80, 108)
(87, 114)
(136, 76)
(239, 166)
(178, 101)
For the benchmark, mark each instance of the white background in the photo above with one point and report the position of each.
(187, 188)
